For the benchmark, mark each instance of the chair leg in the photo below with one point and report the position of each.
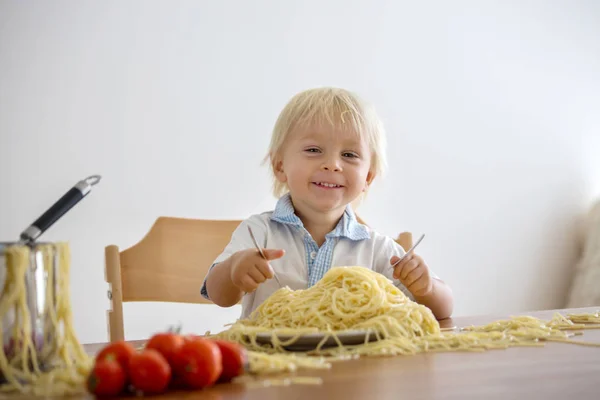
(115, 294)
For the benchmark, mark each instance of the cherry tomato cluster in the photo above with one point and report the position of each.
(167, 361)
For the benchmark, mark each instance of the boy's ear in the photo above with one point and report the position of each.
(370, 177)
(278, 169)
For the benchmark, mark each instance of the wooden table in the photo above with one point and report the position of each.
(557, 371)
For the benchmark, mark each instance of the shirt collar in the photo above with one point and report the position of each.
(348, 226)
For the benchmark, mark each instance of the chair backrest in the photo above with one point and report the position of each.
(405, 240)
(168, 265)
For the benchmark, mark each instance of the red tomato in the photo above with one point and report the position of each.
(199, 363)
(190, 337)
(149, 372)
(235, 359)
(120, 351)
(107, 378)
(167, 344)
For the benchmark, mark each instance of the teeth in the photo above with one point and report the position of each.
(331, 185)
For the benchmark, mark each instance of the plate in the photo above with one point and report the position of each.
(310, 341)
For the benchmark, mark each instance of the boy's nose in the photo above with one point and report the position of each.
(331, 165)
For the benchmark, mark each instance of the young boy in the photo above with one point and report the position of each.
(327, 147)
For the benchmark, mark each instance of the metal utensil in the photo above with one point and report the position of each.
(261, 253)
(409, 251)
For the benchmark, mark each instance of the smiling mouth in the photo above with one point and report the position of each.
(327, 185)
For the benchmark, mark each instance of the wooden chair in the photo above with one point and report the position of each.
(405, 240)
(169, 264)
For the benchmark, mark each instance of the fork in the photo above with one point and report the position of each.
(261, 253)
(409, 251)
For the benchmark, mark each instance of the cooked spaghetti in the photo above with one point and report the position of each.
(45, 359)
(347, 298)
(356, 298)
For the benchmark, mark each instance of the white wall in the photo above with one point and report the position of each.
(491, 108)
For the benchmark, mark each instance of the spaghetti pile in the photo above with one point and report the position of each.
(356, 298)
(41, 355)
(347, 298)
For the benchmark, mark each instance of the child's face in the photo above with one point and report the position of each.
(325, 168)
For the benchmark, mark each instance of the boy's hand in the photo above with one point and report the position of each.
(414, 274)
(249, 269)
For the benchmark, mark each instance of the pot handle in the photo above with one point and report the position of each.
(58, 209)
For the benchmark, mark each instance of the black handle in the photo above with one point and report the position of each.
(58, 209)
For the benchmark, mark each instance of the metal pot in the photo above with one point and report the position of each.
(36, 280)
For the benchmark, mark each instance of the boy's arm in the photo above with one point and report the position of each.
(240, 268)
(440, 300)
(241, 273)
(426, 288)
(219, 285)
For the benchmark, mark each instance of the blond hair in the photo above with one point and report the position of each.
(336, 107)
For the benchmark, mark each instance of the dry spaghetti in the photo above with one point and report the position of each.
(31, 362)
(356, 298)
